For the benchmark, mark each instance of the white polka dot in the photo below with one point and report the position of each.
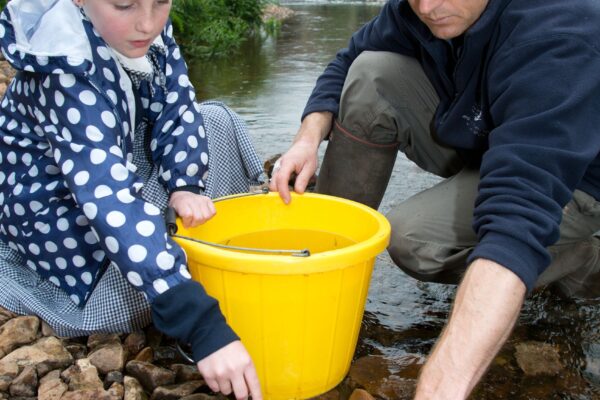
(184, 272)
(134, 278)
(204, 158)
(160, 285)
(192, 142)
(59, 98)
(112, 95)
(90, 210)
(119, 172)
(102, 191)
(109, 119)
(75, 299)
(125, 196)
(35, 206)
(188, 117)
(86, 277)
(51, 247)
(61, 263)
(183, 80)
(181, 156)
(145, 228)
(108, 74)
(103, 53)
(70, 243)
(165, 260)
(78, 261)
(172, 97)
(73, 116)
(156, 107)
(54, 280)
(192, 169)
(66, 80)
(87, 97)
(81, 178)
(93, 133)
(70, 280)
(167, 149)
(42, 227)
(34, 249)
(201, 132)
(112, 244)
(115, 219)
(19, 209)
(151, 209)
(178, 131)
(97, 156)
(137, 253)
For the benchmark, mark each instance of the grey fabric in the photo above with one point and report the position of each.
(114, 306)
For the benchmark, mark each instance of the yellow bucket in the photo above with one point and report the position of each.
(299, 317)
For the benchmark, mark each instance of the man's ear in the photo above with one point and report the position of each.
(78, 3)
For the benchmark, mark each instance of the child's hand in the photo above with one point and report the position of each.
(230, 370)
(193, 209)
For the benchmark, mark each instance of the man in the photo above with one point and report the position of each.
(502, 97)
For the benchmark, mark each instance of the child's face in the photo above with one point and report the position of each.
(128, 26)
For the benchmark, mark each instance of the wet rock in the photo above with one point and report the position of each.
(113, 377)
(185, 373)
(133, 389)
(108, 357)
(146, 355)
(46, 354)
(361, 394)
(333, 394)
(102, 339)
(88, 394)
(166, 355)
(18, 331)
(116, 390)
(201, 396)
(51, 386)
(5, 315)
(77, 350)
(537, 358)
(134, 343)
(47, 330)
(25, 384)
(153, 337)
(149, 375)
(177, 391)
(8, 372)
(82, 376)
(373, 373)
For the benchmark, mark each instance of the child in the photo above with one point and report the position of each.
(100, 131)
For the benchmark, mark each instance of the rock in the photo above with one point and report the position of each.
(8, 372)
(113, 377)
(25, 384)
(5, 315)
(134, 343)
(47, 330)
(201, 396)
(133, 389)
(77, 350)
(146, 355)
(333, 394)
(102, 339)
(360, 394)
(166, 355)
(82, 376)
(537, 358)
(88, 394)
(108, 357)
(177, 391)
(51, 386)
(46, 354)
(374, 375)
(149, 375)
(117, 390)
(18, 331)
(278, 13)
(185, 373)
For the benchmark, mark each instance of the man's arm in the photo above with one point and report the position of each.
(486, 307)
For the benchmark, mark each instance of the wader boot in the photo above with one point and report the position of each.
(356, 169)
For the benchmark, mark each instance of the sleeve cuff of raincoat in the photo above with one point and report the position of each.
(187, 313)
(516, 256)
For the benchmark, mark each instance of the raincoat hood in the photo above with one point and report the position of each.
(45, 36)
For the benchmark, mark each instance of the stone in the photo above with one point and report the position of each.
(46, 354)
(361, 394)
(87, 394)
(537, 358)
(149, 375)
(133, 389)
(82, 376)
(5, 315)
(177, 391)
(77, 350)
(25, 384)
(108, 357)
(51, 386)
(201, 396)
(185, 372)
(47, 330)
(373, 373)
(116, 390)
(113, 377)
(145, 355)
(134, 343)
(102, 339)
(18, 331)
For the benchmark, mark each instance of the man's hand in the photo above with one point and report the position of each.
(193, 209)
(301, 158)
(486, 307)
(230, 369)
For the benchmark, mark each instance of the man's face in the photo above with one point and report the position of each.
(448, 19)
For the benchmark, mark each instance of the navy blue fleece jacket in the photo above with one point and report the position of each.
(522, 102)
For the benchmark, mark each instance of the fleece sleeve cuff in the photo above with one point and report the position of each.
(186, 312)
(525, 261)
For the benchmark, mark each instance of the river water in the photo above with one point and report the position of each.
(267, 81)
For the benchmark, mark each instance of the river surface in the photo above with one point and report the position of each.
(267, 81)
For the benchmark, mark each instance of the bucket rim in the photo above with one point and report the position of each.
(266, 264)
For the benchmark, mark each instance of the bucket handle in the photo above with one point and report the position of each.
(171, 216)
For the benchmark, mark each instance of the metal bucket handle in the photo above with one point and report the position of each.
(171, 217)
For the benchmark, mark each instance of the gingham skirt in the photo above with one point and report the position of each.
(114, 306)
